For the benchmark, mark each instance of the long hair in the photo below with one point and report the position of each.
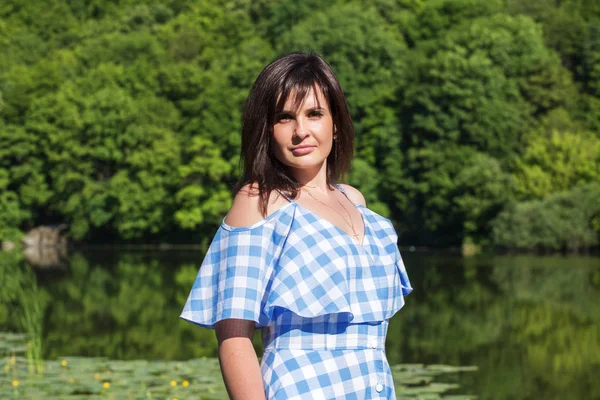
(297, 73)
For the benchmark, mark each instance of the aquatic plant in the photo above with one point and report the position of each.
(102, 378)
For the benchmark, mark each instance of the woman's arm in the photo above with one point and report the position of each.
(239, 363)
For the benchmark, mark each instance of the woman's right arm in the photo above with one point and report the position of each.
(238, 360)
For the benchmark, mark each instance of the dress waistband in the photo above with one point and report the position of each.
(324, 334)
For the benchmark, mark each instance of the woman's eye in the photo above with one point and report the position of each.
(284, 118)
(315, 114)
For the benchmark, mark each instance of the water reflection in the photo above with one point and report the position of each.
(531, 324)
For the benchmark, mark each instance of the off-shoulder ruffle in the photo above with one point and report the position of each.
(272, 267)
(234, 275)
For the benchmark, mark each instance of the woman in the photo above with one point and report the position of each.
(298, 256)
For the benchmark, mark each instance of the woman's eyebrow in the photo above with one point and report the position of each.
(317, 108)
(282, 112)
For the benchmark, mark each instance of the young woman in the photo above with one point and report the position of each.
(299, 256)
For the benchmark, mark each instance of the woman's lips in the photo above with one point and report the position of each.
(300, 151)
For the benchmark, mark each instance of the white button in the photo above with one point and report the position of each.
(379, 387)
(373, 344)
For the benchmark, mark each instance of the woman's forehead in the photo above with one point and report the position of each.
(311, 97)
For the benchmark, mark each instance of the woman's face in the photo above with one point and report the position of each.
(303, 138)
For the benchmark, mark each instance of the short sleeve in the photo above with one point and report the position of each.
(404, 281)
(234, 275)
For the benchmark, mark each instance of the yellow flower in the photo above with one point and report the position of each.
(185, 383)
(106, 385)
(63, 363)
(15, 383)
(173, 383)
(71, 380)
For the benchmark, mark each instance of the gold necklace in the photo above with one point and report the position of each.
(351, 224)
(312, 187)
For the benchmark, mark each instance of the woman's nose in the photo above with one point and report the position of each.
(301, 128)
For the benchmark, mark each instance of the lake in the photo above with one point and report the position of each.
(530, 324)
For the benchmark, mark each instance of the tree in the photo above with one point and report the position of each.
(564, 221)
(481, 83)
(112, 159)
(556, 161)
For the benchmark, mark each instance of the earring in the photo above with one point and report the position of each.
(334, 137)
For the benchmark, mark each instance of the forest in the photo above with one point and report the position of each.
(477, 121)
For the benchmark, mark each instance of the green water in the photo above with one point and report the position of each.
(530, 324)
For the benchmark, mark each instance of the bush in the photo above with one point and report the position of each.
(564, 221)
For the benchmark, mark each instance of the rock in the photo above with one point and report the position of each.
(470, 249)
(45, 236)
(45, 247)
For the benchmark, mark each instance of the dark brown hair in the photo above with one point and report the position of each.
(297, 73)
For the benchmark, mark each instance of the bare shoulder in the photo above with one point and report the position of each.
(245, 209)
(354, 194)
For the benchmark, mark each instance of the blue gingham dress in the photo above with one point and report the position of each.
(322, 300)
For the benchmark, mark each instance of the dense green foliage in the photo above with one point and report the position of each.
(122, 118)
(568, 220)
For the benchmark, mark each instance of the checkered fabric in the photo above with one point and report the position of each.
(322, 300)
